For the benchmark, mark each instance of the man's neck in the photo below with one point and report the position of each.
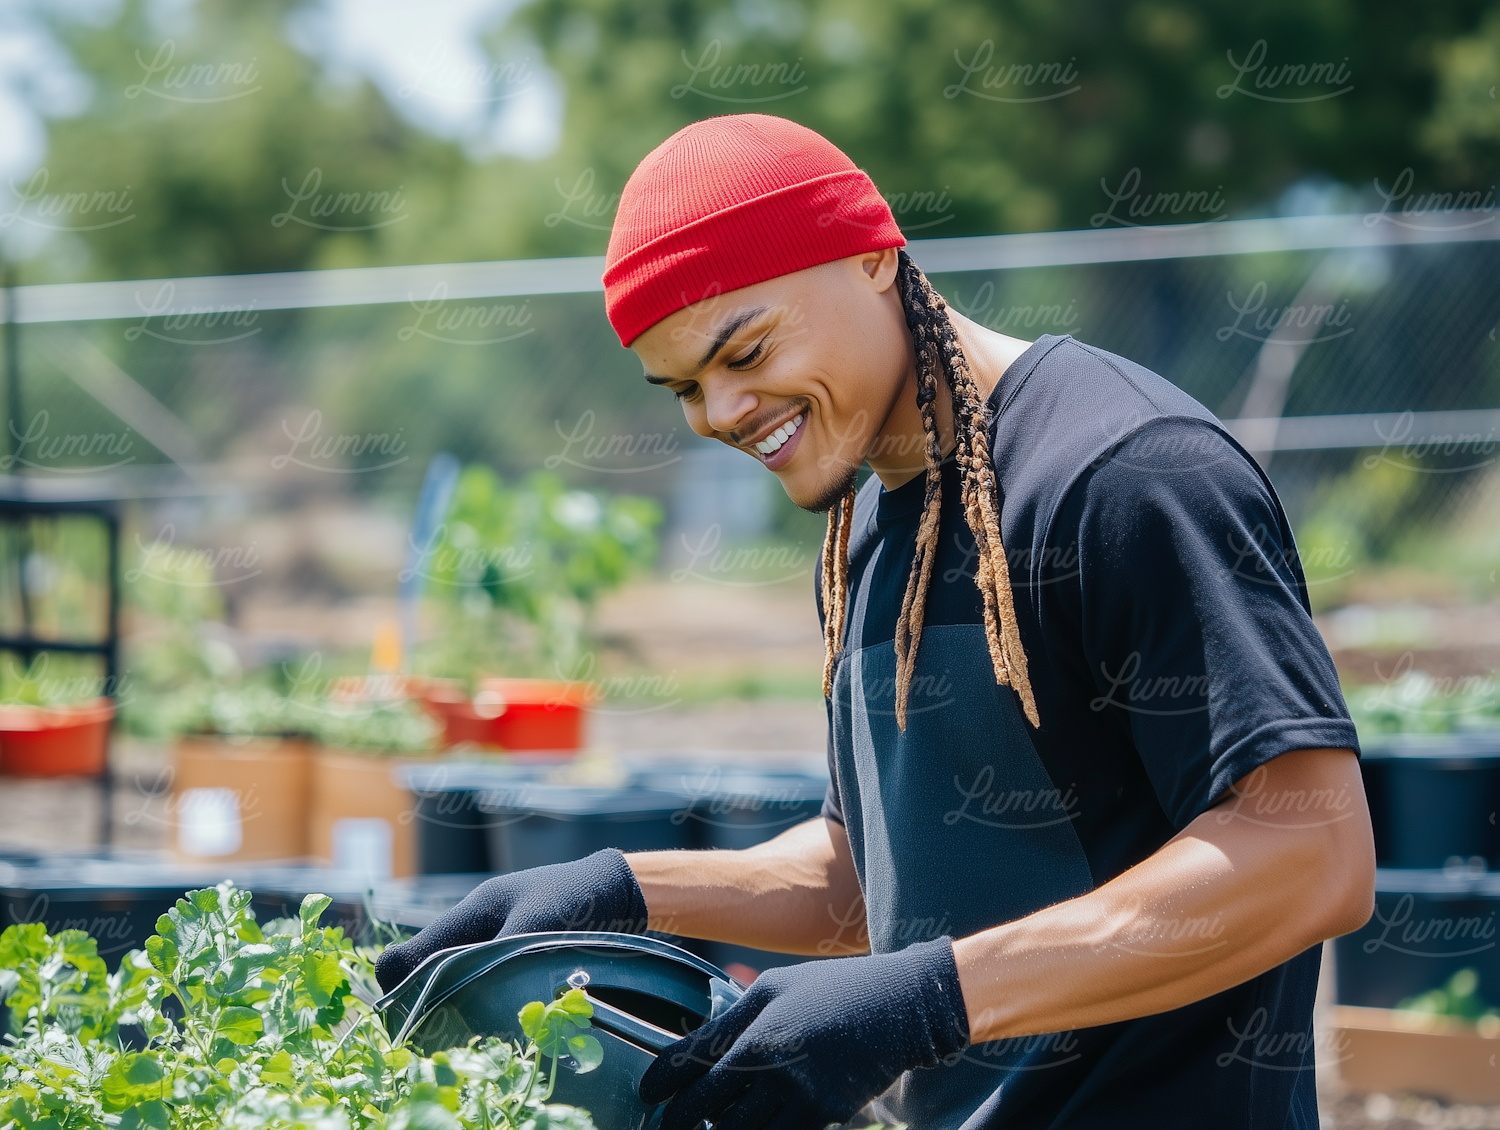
(896, 456)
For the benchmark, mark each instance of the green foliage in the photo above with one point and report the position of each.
(53, 678)
(1417, 703)
(524, 566)
(397, 727)
(1458, 998)
(264, 1030)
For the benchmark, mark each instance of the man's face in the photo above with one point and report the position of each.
(818, 357)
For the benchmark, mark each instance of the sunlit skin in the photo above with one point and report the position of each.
(830, 341)
(1285, 861)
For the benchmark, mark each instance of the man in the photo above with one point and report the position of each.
(1092, 774)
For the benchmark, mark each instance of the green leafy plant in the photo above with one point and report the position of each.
(248, 1027)
(1458, 998)
(401, 727)
(1417, 703)
(233, 712)
(519, 569)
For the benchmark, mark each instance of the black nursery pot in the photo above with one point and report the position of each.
(1427, 926)
(1434, 799)
(452, 830)
(533, 825)
(734, 809)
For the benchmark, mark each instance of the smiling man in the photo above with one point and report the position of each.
(1093, 781)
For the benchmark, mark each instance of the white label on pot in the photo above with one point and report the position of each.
(208, 822)
(364, 845)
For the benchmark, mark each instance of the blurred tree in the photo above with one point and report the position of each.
(234, 151)
(972, 117)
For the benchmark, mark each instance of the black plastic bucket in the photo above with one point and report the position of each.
(735, 809)
(1434, 799)
(1427, 926)
(452, 830)
(529, 825)
(646, 995)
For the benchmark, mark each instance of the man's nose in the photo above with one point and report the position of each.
(729, 406)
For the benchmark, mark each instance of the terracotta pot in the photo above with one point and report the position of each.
(1392, 1052)
(240, 799)
(513, 714)
(361, 818)
(55, 741)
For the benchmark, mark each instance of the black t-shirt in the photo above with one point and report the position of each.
(1171, 651)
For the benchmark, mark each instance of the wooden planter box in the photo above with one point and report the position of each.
(1394, 1052)
(240, 799)
(362, 817)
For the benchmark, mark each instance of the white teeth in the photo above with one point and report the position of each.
(774, 441)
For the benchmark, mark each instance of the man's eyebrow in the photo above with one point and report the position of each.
(727, 330)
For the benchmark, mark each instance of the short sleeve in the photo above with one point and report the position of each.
(1195, 622)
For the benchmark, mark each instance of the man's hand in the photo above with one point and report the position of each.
(810, 1044)
(598, 892)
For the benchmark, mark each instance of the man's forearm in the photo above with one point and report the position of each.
(797, 893)
(1285, 862)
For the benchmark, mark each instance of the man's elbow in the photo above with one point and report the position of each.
(1344, 897)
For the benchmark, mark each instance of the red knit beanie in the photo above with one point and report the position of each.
(732, 201)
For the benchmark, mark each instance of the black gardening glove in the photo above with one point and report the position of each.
(810, 1044)
(598, 892)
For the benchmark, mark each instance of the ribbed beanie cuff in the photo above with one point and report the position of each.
(729, 202)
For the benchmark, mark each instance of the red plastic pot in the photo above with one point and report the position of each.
(55, 741)
(512, 714)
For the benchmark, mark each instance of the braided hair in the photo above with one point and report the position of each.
(937, 352)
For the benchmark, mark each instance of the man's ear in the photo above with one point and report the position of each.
(880, 267)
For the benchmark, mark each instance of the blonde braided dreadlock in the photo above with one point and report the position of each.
(938, 352)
